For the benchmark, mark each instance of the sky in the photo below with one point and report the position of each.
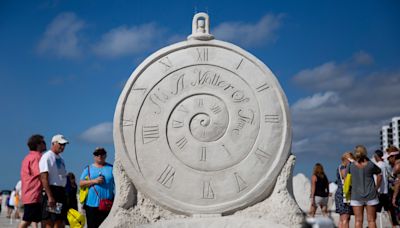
(63, 65)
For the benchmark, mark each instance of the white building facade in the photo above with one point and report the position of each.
(396, 131)
(390, 134)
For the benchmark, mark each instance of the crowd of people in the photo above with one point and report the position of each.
(47, 192)
(373, 185)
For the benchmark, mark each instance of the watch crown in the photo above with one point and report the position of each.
(201, 27)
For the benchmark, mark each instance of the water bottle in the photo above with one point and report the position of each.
(56, 209)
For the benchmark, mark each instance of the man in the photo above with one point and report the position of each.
(31, 187)
(53, 176)
(384, 200)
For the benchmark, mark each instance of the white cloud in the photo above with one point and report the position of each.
(332, 75)
(101, 133)
(250, 35)
(61, 37)
(300, 146)
(328, 76)
(129, 40)
(337, 119)
(315, 101)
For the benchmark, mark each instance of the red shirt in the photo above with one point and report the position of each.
(30, 178)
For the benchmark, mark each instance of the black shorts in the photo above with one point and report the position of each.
(32, 212)
(384, 202)
(60, 197)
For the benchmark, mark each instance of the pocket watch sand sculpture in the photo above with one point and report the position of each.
(202, 130)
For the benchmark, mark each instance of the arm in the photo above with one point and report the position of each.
(44, 178)
(313, 183)
(85, 180)
(396, 192)
(88, 183)
(378, 181)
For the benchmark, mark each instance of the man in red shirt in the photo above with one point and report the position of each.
(31, 185)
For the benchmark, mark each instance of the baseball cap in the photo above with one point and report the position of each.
(59, 139)
(99, 151)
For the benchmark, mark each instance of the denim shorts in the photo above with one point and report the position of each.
(363, 203)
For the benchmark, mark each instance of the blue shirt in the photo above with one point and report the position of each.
(104, 190)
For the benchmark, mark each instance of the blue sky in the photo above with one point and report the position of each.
(63, 65)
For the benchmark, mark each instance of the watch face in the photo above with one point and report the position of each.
(202, 127)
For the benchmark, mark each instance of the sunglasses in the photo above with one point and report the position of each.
(100, 154)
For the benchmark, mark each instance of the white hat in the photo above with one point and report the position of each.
(59, 139)
(386, 156)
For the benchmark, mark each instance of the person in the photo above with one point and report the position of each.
(11, 204)
(384, 200)
(71, 189)
(343, 208)
(392, 156)
(98, 177)
(363, 189)
(18, 203)
(53, 177)
(396, 196)
(319, 190)
(31, 187)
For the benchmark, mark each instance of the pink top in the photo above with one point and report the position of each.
(30, 178)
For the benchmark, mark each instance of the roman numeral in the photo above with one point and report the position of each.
(167, 176)
(262, 87)
(181, 143)
(262, 155)
(271, 118)
(240, 63)
(203, 154)
(216, 109)
(183, 109)
(143, 90)
(226, 150)
(240, 182)
(202, 54)
(127, 123)
(166, 62)
(150, 133)
(208, 192)
(177, 124)
(200, 102)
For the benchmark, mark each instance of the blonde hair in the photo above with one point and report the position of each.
(347, 155)
(360, 153)
(319, 170)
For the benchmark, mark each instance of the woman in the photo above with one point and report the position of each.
(71, 190)
(396, 198)
(319, 191)
(392, 157)
(343, 208)
(99, 179)
(363, 189)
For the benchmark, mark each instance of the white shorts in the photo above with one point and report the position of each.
(363, 203)
(323, 201)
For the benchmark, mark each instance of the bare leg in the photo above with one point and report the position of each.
(313, 209)
(344, 221)
(371, 216)
(324, 210)
(59, 224)
(24, 224)
(359, 216)
(47, 224)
